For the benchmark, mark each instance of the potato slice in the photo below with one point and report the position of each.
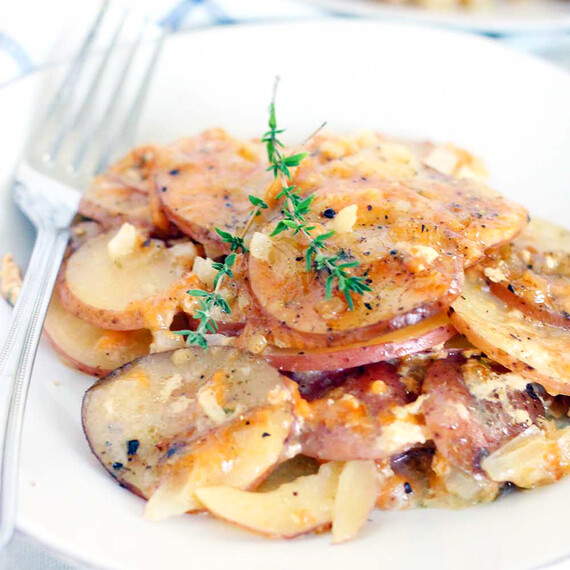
(288, 471)
(110, 291)
(355, 498)
(394, 344)
(134, 170)
(127, 192)
(408, 253)
(532, 273)
(540, 352)
(472, 407)
(148, 417)
(111, 203)
(535, 457)
(238, 456)
(204, 182)
(361, 419)
(88, 348)
(303, 506)
(365, 154)
(543, 235)
(487, 217)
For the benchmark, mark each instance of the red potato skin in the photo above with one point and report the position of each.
(195, 231)
(139, 216)
(457, 439)
(301, 361)
(295, 342)
(104, 318)
(359, 335)
(290, 441)
(74, 363)
(101, 382)
(225, 328)
(465, 441)
(337, 432)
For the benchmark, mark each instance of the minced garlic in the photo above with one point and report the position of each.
(400, 434)
(185, 251)
(344, 221)
(180, 357)
(163, 340)
(204, 270)
(495, 275)
(124, 242)
(209, 403)
(417, 257)
(260, 246)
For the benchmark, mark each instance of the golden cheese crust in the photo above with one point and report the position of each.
(532, 273)
(407, 251)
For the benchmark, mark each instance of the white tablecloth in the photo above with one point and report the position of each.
(33, 34)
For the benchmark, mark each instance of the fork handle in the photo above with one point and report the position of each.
(17, 361)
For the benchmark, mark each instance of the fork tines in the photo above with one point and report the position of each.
(109, 78)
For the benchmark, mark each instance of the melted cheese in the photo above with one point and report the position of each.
(485, 384)
(535, 457)
(401, 434)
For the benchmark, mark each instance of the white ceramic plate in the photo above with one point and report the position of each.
(503, 17)
(505, 106)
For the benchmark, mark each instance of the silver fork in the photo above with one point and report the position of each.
(67, 147)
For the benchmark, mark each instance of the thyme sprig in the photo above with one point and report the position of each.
(209, 300)
(296, 208)
(294, 219)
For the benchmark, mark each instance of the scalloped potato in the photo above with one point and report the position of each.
(394, 335)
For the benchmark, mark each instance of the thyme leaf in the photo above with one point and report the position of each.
(294, 219)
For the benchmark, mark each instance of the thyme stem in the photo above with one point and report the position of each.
(295, 210)
(209, 300)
